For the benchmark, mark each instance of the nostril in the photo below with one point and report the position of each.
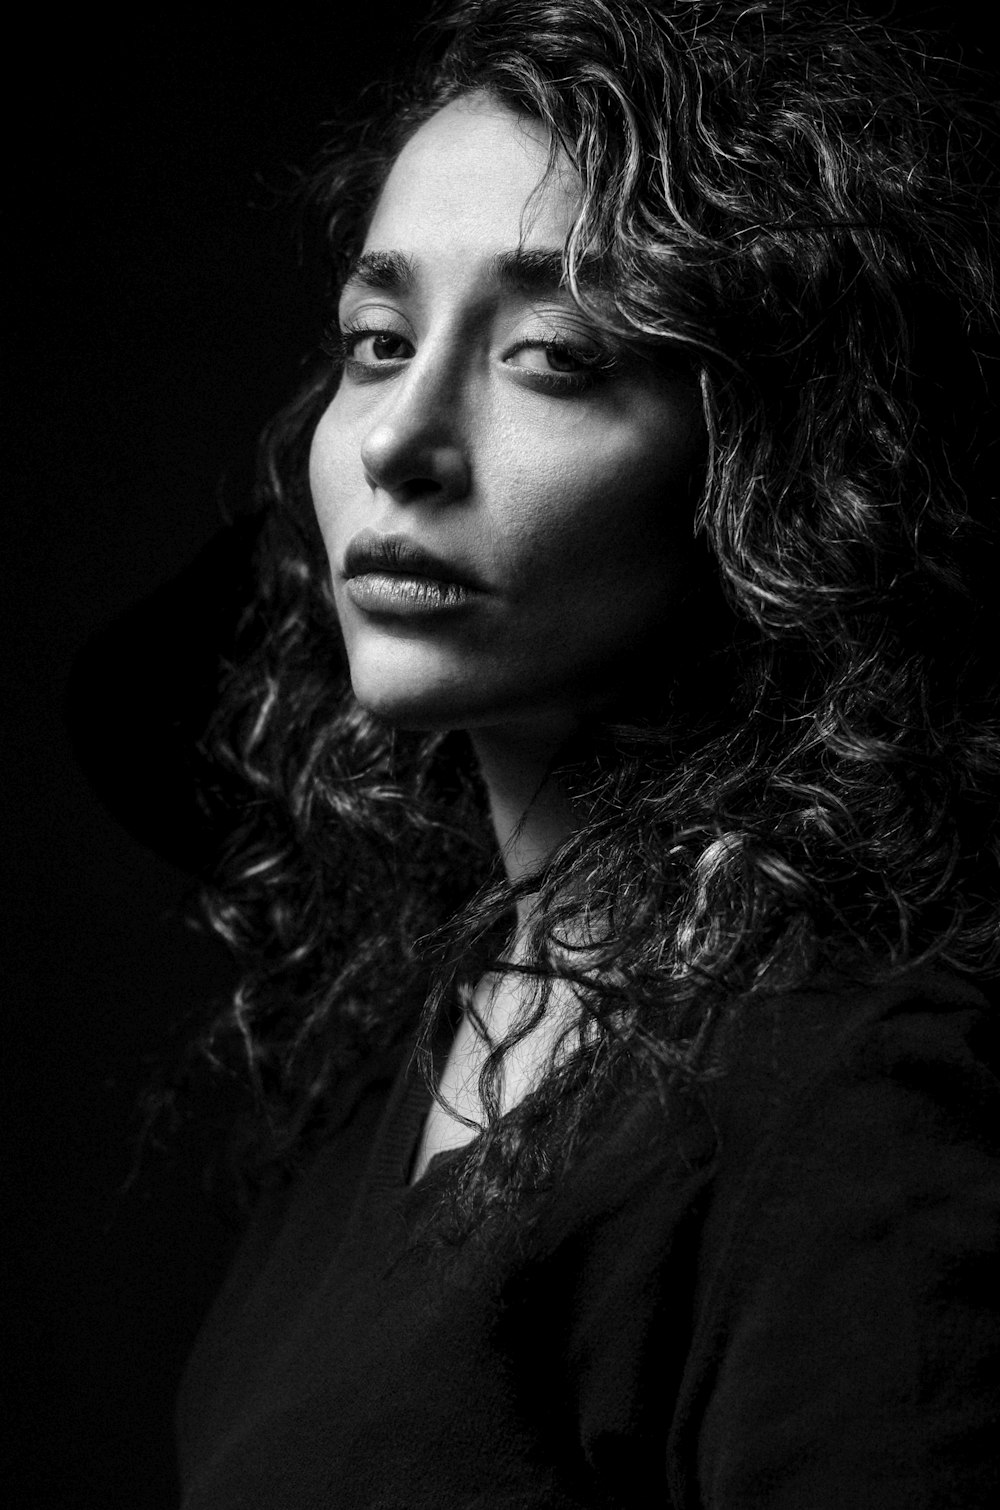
(418, 488)
(406, 490)
(410, 468)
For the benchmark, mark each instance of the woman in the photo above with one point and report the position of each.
(633, 523)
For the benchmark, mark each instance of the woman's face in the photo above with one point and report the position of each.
(504, 492)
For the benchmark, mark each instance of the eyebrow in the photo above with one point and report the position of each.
(390, 271)
(525, 270)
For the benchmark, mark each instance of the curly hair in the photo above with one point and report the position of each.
(798, 198)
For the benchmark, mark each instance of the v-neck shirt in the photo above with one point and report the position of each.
(784, 1296)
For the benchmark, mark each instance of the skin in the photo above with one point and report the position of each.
(567, 495)
(472, 419)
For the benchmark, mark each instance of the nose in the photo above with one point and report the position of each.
(414, 450)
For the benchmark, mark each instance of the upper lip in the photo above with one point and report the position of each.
(402, 557)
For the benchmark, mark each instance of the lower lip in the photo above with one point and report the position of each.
(385, 592)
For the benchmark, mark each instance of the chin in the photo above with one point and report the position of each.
(414, 686)
(442, 710)
(409, 705)
(439, 704)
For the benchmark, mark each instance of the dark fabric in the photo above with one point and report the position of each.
(790, 1301)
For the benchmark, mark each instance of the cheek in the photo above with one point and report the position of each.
(602, 509)
(329, 470)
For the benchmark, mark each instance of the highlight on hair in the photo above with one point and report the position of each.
(794, 199)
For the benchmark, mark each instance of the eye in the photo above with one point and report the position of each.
(557, 365)
(552, 356)
(373, 347)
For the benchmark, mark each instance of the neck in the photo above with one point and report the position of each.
(531, 811)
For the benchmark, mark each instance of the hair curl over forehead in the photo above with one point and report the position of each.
(798, 201)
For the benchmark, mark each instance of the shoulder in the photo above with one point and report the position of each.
(847, 1314)
(857, 1108)
(926, 1029)
(815, 1073)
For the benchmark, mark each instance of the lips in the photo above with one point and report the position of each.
(397, 556)
(390, 575)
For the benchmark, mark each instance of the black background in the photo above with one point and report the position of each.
(160, 314)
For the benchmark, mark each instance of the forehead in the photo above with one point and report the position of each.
(472, 182)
